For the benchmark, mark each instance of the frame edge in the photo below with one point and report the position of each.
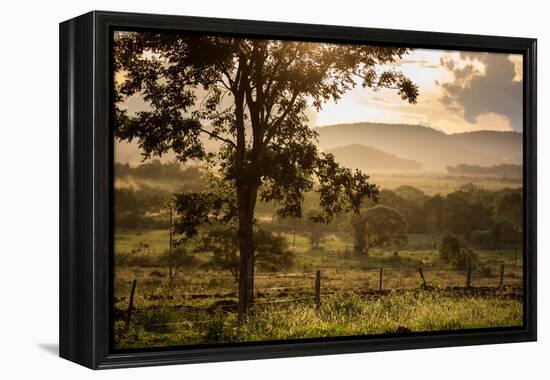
(76, 273)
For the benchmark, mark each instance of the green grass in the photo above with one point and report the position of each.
(417, 311)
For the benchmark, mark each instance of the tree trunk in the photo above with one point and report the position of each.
(359, 226)
(246, 200)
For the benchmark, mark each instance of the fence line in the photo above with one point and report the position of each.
(470, 276)
(282, 288)
(296, 275)
(284, 300)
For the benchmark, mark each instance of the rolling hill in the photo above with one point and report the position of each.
(434, 149)
(369, 158)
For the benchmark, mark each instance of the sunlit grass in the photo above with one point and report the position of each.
(414, 311)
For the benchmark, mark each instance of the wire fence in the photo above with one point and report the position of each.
(312, 286)
(375, 278)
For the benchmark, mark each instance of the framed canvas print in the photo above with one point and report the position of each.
(238, 189)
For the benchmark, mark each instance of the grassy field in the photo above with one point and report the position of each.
(347, 315)
(440, 183)
(199, 308)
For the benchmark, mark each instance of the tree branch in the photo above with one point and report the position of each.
(218, 137)
(280, 119)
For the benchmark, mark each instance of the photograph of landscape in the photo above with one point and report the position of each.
(276, 190)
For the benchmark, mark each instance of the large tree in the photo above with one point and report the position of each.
(250, 96)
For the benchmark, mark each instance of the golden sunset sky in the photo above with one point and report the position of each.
(459, 92)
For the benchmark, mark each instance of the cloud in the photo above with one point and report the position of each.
(424, 63)
(483, 83)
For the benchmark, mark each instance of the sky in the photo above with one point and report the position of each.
(459, 92)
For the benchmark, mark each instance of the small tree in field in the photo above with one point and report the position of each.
(177, 256)
(379, 226)
(254, 96)
(176, 259)
(271, 250)
(454, 252)
(315, 231)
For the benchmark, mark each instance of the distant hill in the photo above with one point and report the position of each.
(366, 157)
(434, 149)
(505, 145)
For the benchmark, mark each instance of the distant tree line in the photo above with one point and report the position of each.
(141, 208)
(503, 170)
(141, 205)
(188, 177)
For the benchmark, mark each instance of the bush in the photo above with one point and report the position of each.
(126, 259)
(219, 328)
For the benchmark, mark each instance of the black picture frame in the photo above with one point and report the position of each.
(86, 158)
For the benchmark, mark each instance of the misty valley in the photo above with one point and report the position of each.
(187, 294)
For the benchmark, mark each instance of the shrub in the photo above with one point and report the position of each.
(218, 328)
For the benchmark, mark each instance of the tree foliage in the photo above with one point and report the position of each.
(435, 209)
(379, 226)
(272, 253)
(462, 216)
(176, 259)
(456, 253)
(408, 201)
(510, 209)
(314, 230)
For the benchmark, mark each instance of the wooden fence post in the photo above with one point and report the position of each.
(469, 276)
(380, 281)
(318, 288)
(130, 305)
(422, 277)
(501, 283)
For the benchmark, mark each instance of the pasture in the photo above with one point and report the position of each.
(440, 183)
(200, 305)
